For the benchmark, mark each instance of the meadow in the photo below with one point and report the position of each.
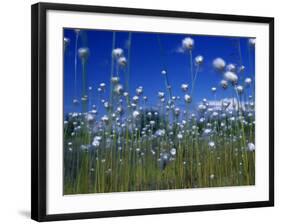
(116, 141)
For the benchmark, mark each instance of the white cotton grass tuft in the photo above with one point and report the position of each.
(118, 89)
(136, 114)
(224, 84)
(219, 64)
(122, 61)
(139, 90)
(96, 141)
(117, 52)
(179, 136)
(248, 81)
(187, 43)
(239, 89)
(251, 147)
(252, 42)
(164, 72)
(105, 119)
(173, 151)
(211, 144)
(115, 79)
(187, 98)
(199, 60)
(184, 87)
(161, 95)
(75, 101)
(231, 76)
(231, 68)
(83, 53)
(66, 42)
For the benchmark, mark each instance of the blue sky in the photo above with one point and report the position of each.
(147, 61)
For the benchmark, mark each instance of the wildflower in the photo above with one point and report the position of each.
(224, 84)
(199, 60)
(187, 43)
(115, 80)
(251, 147)
(117, 52)
(163, 72)
(173, 151)
(207, 131)
(231, 68)
(211, 144)
(239, 89)
(136, 114)
(187, 98)
(164, 160)
(212, 176)
(139, 90)
(122, 61)
(83, 53)
(252, 42)
(161, 94)
(160, 132)
(105, 119)
(231, 76)
(202, 107)
(184, 87)
(96, 141)
(179, 136)
(66, 42)
(248, 81)
(219, 64)
(214, 89)
(75, 101)
(106, 105)
(241, 69)
(89, 117)
(119, 110)
(102, 86)
(118, 89)
(177, 111)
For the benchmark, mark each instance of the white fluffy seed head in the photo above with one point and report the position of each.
(83, 53)
(219, 64)
(136, 114)
(184, 87)
(161, 94)
(66, 41)
(117, 52)
(173, 151)
(187, 43)
(231, 67)
(118, 89)
(187, 98)
(231, 76)
(115, 80)
(199, 60)
(224, 84)
(251, 146)
(248, 81)
(252, 42)
(122, 61)
(239, 89)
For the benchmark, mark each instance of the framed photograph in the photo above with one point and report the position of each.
(138, 111)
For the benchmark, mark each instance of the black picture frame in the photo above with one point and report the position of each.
(38, 108)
